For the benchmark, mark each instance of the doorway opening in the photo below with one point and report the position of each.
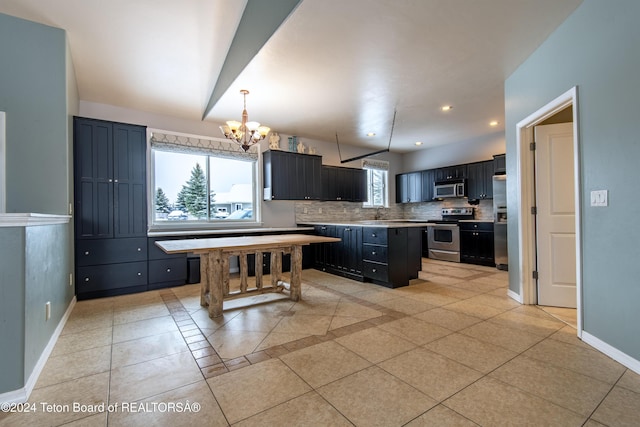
(526, 186)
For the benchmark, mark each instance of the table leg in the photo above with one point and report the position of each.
(259, 267)
(204, 279)
(296, 272)
(276, 267)
(216, 282)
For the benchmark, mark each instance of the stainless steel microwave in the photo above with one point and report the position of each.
(449, 189)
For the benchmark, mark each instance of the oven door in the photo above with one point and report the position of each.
(444, 242)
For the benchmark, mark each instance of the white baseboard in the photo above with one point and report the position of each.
(22, 395)
(514, 296)
(612, 352)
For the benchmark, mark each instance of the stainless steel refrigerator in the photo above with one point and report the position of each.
(500, 221)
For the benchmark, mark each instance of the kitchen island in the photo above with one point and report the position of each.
(383, 252)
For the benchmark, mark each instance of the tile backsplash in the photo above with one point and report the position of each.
(349, 211)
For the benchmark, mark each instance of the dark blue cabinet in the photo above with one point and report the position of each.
(110, 207)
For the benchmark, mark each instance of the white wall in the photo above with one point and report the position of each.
(476, 150)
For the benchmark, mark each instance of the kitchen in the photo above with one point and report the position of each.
(44, 188)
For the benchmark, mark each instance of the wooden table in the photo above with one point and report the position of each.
(214, 263)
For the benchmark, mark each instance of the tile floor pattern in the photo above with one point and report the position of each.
(450, 349)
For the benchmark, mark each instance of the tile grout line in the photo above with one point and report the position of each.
(180, 314)
(206, 357)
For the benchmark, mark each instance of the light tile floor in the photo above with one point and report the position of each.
(450, 349)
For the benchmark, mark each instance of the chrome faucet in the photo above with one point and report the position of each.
(378, 214)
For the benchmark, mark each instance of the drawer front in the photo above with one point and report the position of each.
(112, 276)
(168, 270)
(110, 251)
(375, 253)
(476, 226)
(375, 235)
(375, 271)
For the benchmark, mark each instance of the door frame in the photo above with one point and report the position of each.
(525, 182)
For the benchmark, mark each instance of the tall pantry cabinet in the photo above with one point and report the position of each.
(110, 209)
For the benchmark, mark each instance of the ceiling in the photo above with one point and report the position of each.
(332, 66)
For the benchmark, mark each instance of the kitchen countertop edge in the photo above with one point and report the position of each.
(371, 223)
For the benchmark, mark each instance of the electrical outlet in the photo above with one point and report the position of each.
(47, 310)
(70, 279)
(599, 198)
(70, 208)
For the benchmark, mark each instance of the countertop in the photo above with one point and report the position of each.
(382, 223)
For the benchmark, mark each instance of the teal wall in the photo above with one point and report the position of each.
(33, 94)
(38, 93)
(12, 292)
(596, 49)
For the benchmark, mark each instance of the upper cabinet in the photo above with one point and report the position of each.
(409, 187)
(451, 172)
(500, 164)
(110, 179)
(480, 180)
(428, 180)
(418, 186)
(292, 176)
(344, 184)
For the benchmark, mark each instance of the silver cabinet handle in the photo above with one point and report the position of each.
(86, 279)
(115, 180)
(139, 250)
(86, 252)
(110, 180)
(168, 270)
(139, 274)
(373, 253)
(373, 235)
(374, 270)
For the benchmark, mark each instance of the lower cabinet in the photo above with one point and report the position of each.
(476, 243)
(392, 256)
(111, 279)
(165, 270)
(106, 267)
(343, 258)
(386, 256)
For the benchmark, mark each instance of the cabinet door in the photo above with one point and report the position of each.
(93, 155)
(414, 187)
(349, 255)
(479, 182)
(278, 174)
(499, 164)
(451, 172)
(313, 177)
(475, 181)
(487, 176)
(428, 179)
(359, 183)
(402, 188)
(129, 178)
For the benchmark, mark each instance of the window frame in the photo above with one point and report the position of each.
(384, 166)
(206, 224)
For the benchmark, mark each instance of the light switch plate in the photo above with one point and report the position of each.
(599, 198)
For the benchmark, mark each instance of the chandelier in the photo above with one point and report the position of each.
(245, 133)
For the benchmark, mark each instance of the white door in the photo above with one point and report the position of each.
(555, 219)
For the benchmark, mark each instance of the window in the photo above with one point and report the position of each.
(377, 180)
(201, 182)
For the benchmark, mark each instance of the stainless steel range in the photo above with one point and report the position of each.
(444, 235)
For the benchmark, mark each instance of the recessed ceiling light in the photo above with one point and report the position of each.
(419, 143)
(371, 134)
(446, 107)
(494, 123)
